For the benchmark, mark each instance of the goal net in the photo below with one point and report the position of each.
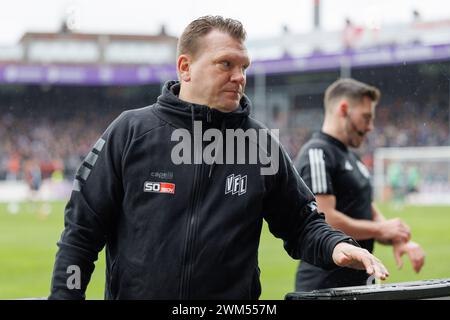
(413, 175)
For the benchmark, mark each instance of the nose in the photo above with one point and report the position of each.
(238, 76)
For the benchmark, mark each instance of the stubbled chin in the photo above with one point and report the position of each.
(358, 143)
(228, 107)
(353, 142)
(232, 108)
(232, 104)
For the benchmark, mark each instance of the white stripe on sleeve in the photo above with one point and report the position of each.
(312, 164)
(323, 173)
(318, 173)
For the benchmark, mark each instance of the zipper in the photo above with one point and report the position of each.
(209, 116)
(112, 279)
(192, 222)
(191, 234)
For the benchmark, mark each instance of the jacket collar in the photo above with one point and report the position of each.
(331, 139)
(181, 113)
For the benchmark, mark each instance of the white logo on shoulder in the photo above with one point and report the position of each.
(363, 169)
(236, 184)
(348, 166)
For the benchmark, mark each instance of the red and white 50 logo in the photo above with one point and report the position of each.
(159, 187)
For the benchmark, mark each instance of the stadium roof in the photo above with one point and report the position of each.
(115, 59)
(34, 36)
(96, 74)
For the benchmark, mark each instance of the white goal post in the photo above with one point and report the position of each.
(420, 174)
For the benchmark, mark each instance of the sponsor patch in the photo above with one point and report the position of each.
(159, 187)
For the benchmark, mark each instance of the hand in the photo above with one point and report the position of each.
(414, 251)
(347, 255)
(394, 230)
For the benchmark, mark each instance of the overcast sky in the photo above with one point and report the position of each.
(260, 17)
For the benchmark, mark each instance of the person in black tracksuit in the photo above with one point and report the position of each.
(341, 183)
(189, 231)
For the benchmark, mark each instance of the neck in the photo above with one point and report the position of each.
(186, 96)
(331, 128)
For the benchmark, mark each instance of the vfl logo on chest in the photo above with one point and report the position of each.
(236, 184)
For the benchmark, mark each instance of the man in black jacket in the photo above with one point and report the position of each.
(181, 229)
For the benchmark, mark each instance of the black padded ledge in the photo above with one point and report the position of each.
(414, 290)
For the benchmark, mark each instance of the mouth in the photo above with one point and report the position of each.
(234, 92)
(234, 89)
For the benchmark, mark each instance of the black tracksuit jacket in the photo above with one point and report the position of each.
(195, 241)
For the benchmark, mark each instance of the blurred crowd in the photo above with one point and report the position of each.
(57, 143)
(401, 123)
(47, 143)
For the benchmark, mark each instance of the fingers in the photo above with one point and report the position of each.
(417, 265)
(398, 259)
(396, 230)
(380, 270)
(367, 262)
(346, 255)
(405, 227)
(404, 231)
(415, 253)
(406, 236)
(402, 236)
(374, 266)
(417, 258)
(368, 266)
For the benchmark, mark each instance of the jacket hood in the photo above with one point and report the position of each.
(182, 113)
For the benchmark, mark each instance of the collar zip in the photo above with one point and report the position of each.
(209, 116)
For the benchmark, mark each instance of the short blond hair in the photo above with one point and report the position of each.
(351, 89)
(188, 42)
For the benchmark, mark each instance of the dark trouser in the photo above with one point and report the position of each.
(310, 278)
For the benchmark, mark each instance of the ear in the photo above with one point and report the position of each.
(343, 108)
(183, 67)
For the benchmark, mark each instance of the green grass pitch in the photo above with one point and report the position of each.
(28, 246)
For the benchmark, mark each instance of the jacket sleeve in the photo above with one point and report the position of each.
(291, 213)
(89, 215)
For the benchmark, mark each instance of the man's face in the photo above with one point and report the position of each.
(217, 72)
(359, 121)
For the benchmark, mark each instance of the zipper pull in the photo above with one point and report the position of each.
(209, 116)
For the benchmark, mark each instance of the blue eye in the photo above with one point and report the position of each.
(226, 64)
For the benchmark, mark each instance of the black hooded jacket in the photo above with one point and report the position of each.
(177, 231)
